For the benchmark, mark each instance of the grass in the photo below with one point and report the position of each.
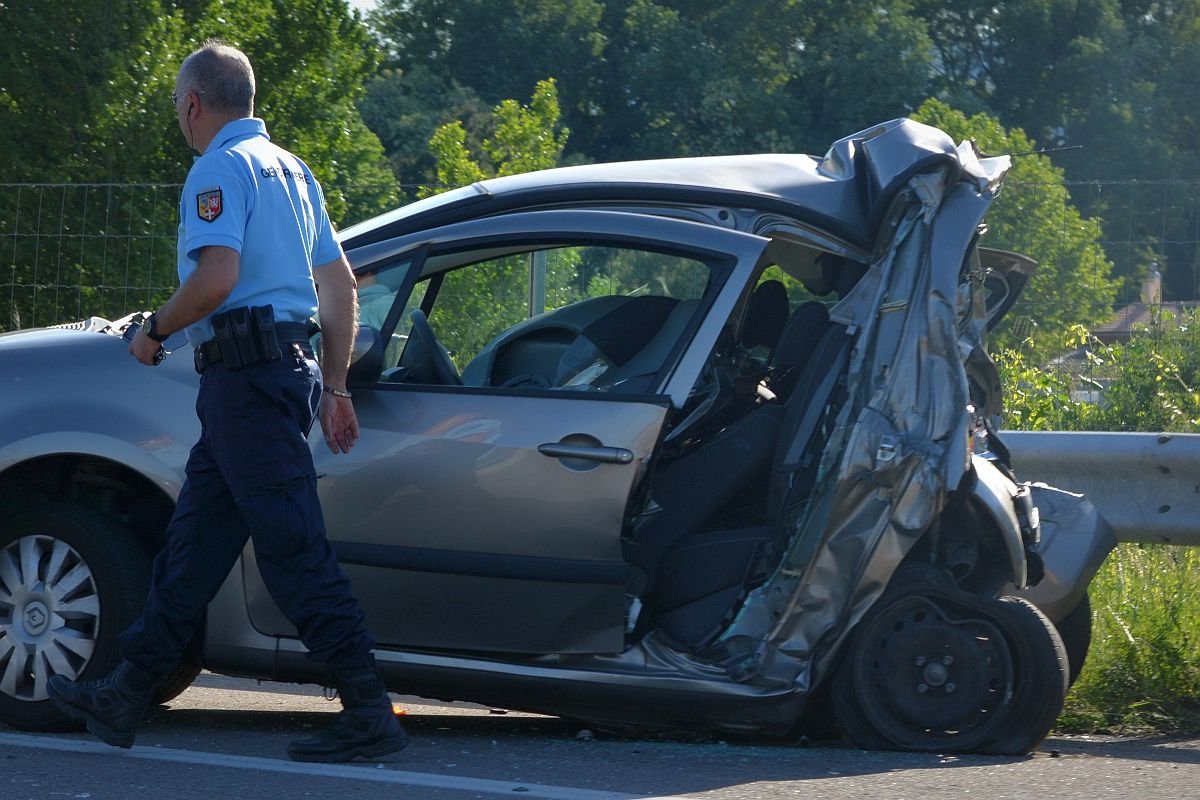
(1143, 671)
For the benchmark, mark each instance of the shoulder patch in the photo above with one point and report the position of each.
(208, 205)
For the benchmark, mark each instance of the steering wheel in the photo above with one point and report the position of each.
(432, 350)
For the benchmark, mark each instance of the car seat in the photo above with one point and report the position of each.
(807, 414)
(692, 488)
(766, 315)
(804, 328)
(694, 577)
(636, 374)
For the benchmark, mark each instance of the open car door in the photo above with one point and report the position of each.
(483, 507)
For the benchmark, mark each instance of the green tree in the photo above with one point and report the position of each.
(528, 138)
(523, 138)
(670, 88)
(308, 83)
(404, 108)
(454, 165)
(84, 99)
(492, 50)
(1034, 215)
(65, 72)
(860, 64)
(1115, 79)
(657, 78)
(101, 74)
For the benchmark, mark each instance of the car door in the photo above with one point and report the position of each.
(488, 516)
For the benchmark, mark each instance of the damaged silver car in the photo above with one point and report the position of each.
(697, 443)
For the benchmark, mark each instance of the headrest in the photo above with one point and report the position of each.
(766, 315)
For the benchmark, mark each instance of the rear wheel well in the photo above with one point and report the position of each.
(105, 486)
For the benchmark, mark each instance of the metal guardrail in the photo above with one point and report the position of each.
(1147, 485)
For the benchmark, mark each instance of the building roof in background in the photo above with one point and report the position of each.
(1138, 315)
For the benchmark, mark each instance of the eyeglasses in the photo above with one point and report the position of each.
(176, 96)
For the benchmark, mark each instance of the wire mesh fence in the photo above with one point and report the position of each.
(71, 251)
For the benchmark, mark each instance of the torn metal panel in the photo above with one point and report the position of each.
(906, 448)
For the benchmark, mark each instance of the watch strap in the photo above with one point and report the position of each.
(151, 329)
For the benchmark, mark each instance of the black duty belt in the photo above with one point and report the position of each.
(209, 353)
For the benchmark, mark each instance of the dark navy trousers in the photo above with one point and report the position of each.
(251, 477)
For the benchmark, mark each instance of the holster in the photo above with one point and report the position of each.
(246, 336)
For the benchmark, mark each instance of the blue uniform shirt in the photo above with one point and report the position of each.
(252, 196)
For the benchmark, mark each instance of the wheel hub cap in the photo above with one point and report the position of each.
(36, 618)
(49, 615)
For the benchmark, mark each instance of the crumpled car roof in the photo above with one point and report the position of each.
(845, 192)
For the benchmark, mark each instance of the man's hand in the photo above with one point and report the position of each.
(145, 349)
(339, 423)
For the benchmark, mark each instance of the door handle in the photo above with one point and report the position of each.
(606, 455)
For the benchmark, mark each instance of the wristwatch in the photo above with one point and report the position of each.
(150, 327)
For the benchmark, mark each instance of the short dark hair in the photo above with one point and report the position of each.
(223, 74)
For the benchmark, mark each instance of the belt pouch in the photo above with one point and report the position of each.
(262, 321)
(247, 347)
(223, 333)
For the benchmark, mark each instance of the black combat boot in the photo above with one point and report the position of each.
(112, 706)
(366, 725)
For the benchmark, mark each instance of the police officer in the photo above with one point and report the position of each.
(256, 254)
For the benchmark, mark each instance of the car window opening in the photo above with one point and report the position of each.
(726, 480)
(578, 318)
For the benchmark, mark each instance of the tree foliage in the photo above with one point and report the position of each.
(84, 99)
(1151, 382)
(649, 78)
(86, 86)
(660, 78)
(522, 138)
(477, 303)
(646, 78)
(404, 107)
(1115, 79)
(1035, 216)
(69, 70)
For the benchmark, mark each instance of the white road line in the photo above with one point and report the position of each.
(345, 772)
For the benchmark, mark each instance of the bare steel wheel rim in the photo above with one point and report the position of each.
(935, 674)
(49, 615)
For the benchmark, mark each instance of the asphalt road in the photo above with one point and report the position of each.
(224, 739)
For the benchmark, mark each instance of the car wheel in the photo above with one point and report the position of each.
(1076, 632)
(71, 580)
(818, 722)
(936, 669)
(1041, 678)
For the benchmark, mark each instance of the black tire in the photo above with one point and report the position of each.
(818, 722)
(1075, 629)
(1041, 678)
(73, 579)
(935, 669)
(843, 696)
